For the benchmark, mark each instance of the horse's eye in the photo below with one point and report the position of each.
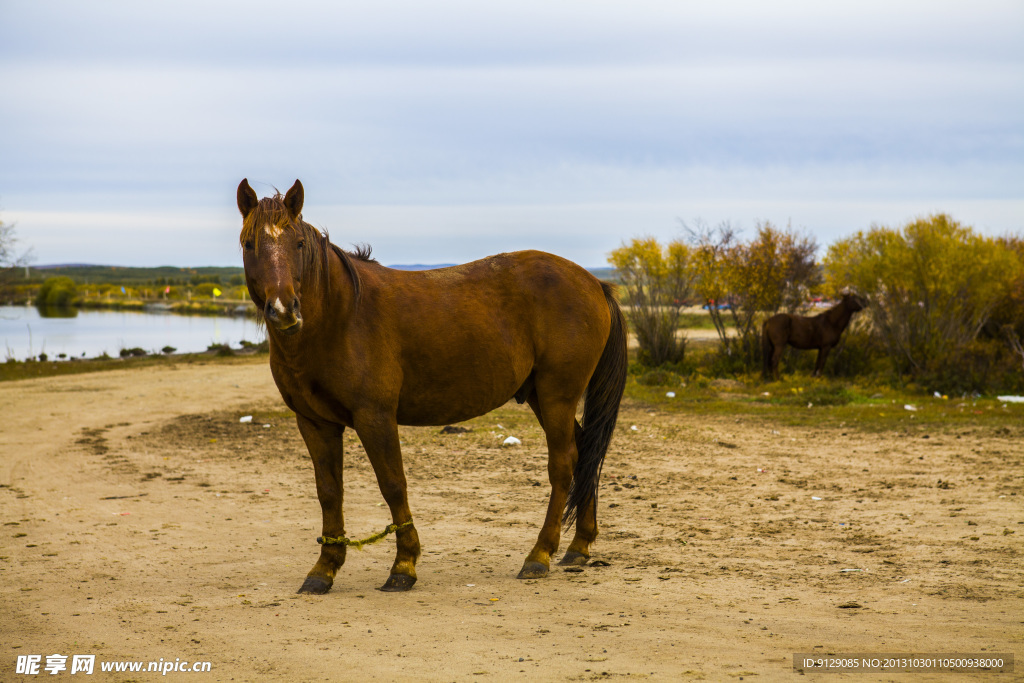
(248, 244)
(301, 244)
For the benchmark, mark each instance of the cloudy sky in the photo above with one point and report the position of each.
(444, 131)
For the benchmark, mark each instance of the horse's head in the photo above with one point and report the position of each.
(276, 250)
(854, 302)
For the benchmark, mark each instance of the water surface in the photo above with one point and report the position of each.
(25, 332)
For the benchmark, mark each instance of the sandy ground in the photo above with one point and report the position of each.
(142, 520)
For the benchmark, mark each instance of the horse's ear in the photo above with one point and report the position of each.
(247, 199)
(293, 200)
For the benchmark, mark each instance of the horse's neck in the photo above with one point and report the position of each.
(335, 291)
(839, 315)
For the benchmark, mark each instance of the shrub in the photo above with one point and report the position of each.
(974, 367)
(168, 349)
(57, 291)
(221, 349)
(658, 281)
(934, 284)
(1007, 322)
(205, 290)
(134, 351)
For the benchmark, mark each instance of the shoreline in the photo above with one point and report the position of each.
(222, 307)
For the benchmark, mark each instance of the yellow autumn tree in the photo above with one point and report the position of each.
(748, 281)
(658, 280)
(934, 284)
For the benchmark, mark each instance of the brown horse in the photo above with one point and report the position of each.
(820, 332)
(356, 345)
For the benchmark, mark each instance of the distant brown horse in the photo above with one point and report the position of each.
(355, 344)
(820, 332)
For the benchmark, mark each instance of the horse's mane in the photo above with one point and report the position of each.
(317, 244)
(835, 313)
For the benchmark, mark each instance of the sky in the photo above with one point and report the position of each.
(444, 131)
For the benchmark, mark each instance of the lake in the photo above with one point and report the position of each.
(24, 332)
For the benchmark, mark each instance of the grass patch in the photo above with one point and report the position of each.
(832, 403)
(818, 394)
(701, 321)
(660, 378)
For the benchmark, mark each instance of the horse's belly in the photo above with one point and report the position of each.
(454, 397)
(805, 344)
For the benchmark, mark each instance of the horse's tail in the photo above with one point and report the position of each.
(767, 350)
(600, 410)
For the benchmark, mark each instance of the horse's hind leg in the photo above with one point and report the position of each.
(325, 445)
(578, 551)
(558, 418)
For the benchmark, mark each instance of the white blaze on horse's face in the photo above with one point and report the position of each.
(282, 309)
(273, 254)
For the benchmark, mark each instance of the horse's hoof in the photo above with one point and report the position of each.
(315, 585)
(573, 559)
(532, 570)
(398, 583)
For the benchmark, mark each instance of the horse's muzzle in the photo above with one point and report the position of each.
(290, 329)
(285, 319)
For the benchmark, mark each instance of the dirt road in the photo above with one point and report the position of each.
(142, 520)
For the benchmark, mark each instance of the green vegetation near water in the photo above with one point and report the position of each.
(34, 369)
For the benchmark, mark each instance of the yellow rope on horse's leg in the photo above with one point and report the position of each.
(358, 545)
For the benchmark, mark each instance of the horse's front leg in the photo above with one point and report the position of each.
(325, 444)
(820, 364)
(379, 434)
(776, 357)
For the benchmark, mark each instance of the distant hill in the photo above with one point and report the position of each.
(609, 274)
(129, 275)
(57, 266)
